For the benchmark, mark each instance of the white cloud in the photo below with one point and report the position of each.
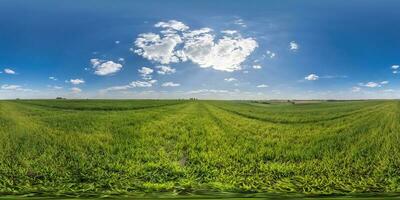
(262, 86)
(172, 24)
(76, 90)
(240, 22)
(117, 42)
(146, 72)
(121, 59)
(395, 72)
(230, 79)
(9, 71)
(229, 32)
(373, 84)
(52, 78)
(133, 84)
(395, 67)
(384, 82)
(177, 43)
(76, 81)
(10, 87)
(207, 91)
(163, 70)
(226, 54)
(142, 83)
(103, 67)
(293, 46)
(170, 84)
(312, 77)
(160, 49)
(15, 88)
(271, 54)
(116, 88)
(257, 66)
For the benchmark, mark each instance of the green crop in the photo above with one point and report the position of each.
(121, 146)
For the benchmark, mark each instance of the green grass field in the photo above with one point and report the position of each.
(122, 146)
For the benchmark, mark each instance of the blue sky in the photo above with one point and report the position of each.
(341, 49)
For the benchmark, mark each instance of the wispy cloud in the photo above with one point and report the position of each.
(9, 71)
(170, 84)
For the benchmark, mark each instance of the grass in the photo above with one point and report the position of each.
(124, 146)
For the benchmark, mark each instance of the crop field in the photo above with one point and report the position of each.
(123, 146)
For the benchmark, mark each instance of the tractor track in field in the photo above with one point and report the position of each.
(352, 113)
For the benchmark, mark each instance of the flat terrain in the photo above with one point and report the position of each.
(119, 146)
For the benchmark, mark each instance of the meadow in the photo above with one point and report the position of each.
(181, 146)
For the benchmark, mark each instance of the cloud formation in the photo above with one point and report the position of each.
(145, 73)
(293, 46)
(76, 81)
(311, 77)
(177, 43)
(163, 70)
(231, 79)
(262, 86)
(170, 84)
(103, 68)
(374, 84)
(15, 88)
(9, 71)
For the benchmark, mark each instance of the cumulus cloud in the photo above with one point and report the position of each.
(312, 77)
(156, 48)
(177, 43)
(262, 86)
(145, 73)
(395, 67)
(143, 83)
(170, 84)
(231, 79)
(172, 25)
(9, 71)
(76, 81)
(117, 42)
(75, 90)
(293, 46)
(163, 70)
(103, 67)
(52, 78)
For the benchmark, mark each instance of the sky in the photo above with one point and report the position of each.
(209, 49)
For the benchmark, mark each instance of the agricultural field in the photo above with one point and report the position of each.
(181, 146)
